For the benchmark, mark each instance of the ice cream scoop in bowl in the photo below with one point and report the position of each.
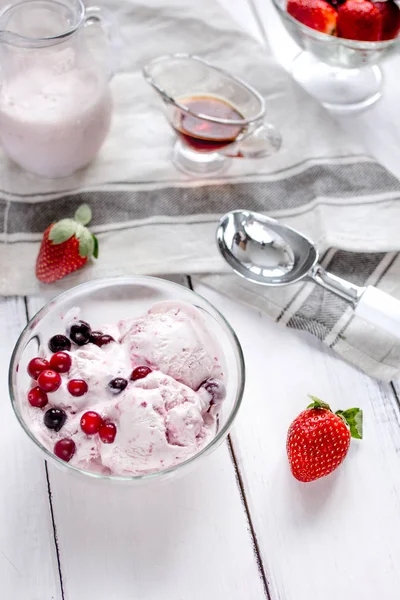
(127, 379)
(343, 73)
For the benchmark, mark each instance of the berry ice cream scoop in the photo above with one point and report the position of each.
(130, 398)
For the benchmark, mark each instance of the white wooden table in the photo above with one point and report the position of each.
(240, 527)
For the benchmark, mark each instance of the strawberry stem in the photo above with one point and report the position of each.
(317, 403)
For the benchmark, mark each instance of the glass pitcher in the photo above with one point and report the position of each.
(215, 115)
(55, 102)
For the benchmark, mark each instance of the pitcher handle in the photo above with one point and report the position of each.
(264, 140)
(96, 15)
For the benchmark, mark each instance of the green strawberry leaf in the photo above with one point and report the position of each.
(62, 231)
(353, 417)
(86, 243)
(79, 230)
(317, 403)
(96, 247)
(83, 214)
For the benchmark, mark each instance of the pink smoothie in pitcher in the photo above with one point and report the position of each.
(54, 120)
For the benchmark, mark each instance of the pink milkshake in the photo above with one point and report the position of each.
(54, 114)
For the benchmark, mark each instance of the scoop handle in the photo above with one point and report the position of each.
(380, 309)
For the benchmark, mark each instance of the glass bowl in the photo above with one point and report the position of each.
(109, 300)
(343, 74)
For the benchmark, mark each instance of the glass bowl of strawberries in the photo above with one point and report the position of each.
(342, 42)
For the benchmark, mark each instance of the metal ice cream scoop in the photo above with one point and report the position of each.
(268, 253)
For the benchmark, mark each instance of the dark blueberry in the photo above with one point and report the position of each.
(54, 418)
(59, 343)
(80, 333)
(100, 339)
(216, 389)
(117, 385)
(95, 335)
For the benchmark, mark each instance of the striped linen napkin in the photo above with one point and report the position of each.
(151, 219)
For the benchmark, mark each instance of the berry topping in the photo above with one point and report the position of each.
(95, 336)
(65, 449)
(140, 373)
(54, 418)
(80, 332)
(390, 14)
(59, 342)
(117, 385)
(216, 389)
(36, 366)
(37, 397)
(107, 433)
(359, 20)
(49, 380)
(101, 339)
(317, 14)
(77, 387)
(91, 422)
(61, 362)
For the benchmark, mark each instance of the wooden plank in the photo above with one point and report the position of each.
(186, 539)
(334, 538)
(28, 563)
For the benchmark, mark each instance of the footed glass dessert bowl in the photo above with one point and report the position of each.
(343, 74)
(127, 379)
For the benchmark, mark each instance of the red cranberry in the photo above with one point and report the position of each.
(80, 332)
(37, 397)
(59, 343)
(117, 385)
(107, 433)
(65, 449)
(54, 418)
(140, 373)
(49, 380)
(77, 387)
(101, 339)
(91, 422)
(36, 366)
(61, 362)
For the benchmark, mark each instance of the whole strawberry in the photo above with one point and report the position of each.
(66, 246)
(390, 13)
(317, 14)
(318, 439)
(359, 20)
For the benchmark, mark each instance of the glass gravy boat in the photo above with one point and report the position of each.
(215, 115)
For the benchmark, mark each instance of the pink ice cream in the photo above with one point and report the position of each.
(161, 419)
(173, 338)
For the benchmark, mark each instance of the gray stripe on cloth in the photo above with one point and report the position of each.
(322, 309)
(177, 181)
(336, 180)
(286, 308)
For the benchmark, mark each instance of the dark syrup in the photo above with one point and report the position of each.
(206, 136)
